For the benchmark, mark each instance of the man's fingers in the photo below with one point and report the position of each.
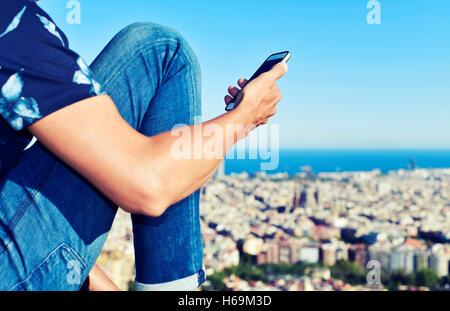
(278, 71)
(228, 99)
(242, 82)
(233, 91)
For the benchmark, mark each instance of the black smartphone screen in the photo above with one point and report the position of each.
(266, 66)
(269, 63)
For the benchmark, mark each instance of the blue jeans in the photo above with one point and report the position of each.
(53, 222)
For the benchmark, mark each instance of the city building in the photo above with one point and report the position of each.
(359, 254)
(421, 259)
(328, 254)
(439, 260)
(309, 254)
(402, 259)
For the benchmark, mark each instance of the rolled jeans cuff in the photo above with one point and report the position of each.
(189, 283)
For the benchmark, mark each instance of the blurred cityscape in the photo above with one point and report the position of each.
(315, 232)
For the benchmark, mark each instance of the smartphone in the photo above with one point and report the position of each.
(271, 61)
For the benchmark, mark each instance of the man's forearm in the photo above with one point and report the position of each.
(185, 172)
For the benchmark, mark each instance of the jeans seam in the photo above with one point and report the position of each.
(139, 49)
(145, 48)
(62, 245)
(193, 242)
(193, 94)
(135, 53)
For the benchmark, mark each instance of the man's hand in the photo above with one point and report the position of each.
(259, 98)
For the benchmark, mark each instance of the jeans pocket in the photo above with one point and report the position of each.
(62, 270)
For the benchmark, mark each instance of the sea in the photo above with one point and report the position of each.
(291, 161)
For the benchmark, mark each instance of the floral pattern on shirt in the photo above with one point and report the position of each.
(84, 76)
(14, 23)
(17, 110)
(22, 111)
(50, 27)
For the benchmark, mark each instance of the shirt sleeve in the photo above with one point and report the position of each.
(39, 74)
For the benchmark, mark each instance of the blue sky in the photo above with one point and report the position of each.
(350, 84)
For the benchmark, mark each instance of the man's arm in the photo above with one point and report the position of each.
(139, 173)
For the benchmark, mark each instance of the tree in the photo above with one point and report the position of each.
(349, 272)
(216, 280)
(428, 278)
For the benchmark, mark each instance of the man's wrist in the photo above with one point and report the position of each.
(242, 123)
(243, 114)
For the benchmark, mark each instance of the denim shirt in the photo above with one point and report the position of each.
(39, 75)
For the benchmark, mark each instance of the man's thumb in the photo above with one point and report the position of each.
(279, 70)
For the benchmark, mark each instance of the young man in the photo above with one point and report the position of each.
(103, 141)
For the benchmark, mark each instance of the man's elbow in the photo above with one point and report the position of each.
(152, 208)
(152, 201)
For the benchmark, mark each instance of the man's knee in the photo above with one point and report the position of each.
(146, 34)
(143, 31)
